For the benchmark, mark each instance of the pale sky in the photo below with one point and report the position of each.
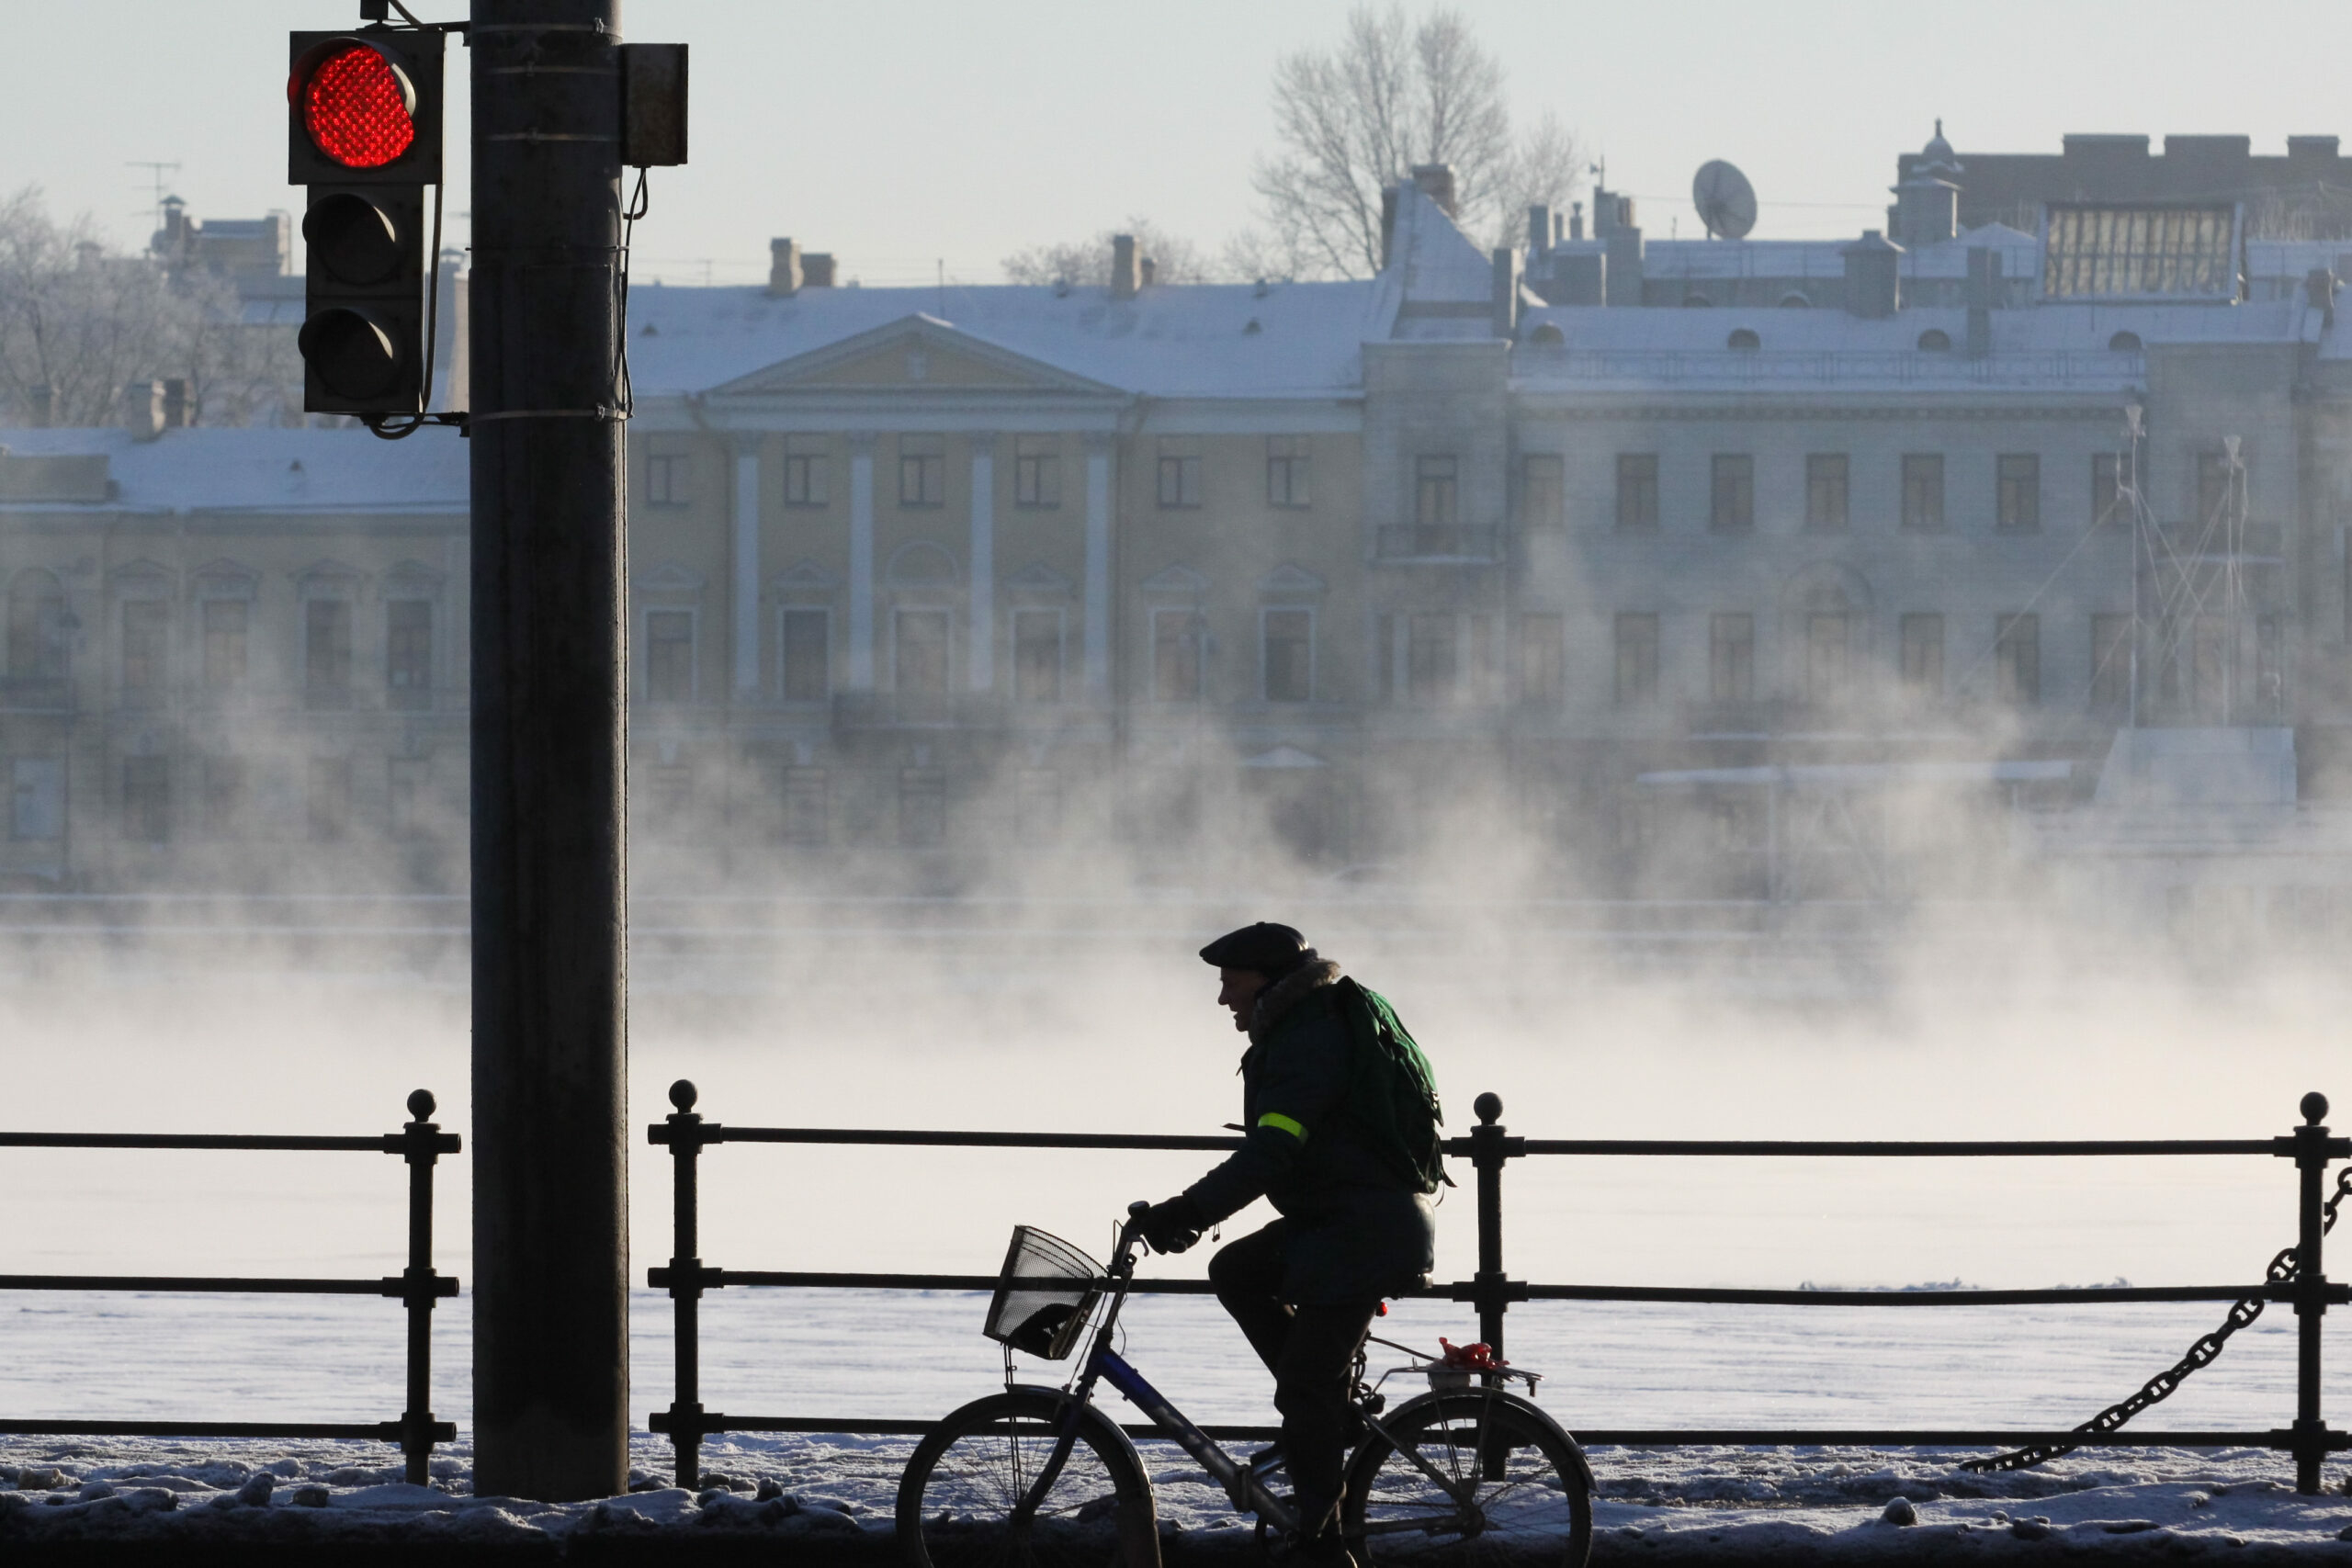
(903, 135)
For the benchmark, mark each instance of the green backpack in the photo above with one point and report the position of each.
(1392, 1094)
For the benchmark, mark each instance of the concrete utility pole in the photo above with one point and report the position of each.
(549, 727)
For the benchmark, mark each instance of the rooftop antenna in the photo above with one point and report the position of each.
(1727, 202)
(160, 172)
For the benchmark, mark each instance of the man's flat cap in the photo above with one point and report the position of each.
(1270, 949)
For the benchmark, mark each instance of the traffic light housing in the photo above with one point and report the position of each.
(364, 134)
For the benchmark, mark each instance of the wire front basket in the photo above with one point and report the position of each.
(1034, 1310)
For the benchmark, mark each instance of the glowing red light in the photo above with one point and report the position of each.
(358, 110)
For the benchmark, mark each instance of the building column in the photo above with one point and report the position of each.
(983, 655)
(1098, 566)
(745, 619)
(861, 563)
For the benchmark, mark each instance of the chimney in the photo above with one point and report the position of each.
(1874, 276)
(1387, 224)
(1149, 269)
(816, 270)
(784, 268)
(1540, 229)
(1506, 292)
(42, 402)
(1125, 275)
(142, 410)
(1576, 220)
(1984, 298)
(2319, 292)
(178, 415)
(1436, 182)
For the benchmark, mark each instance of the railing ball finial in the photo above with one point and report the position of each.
(1489, 1106)
(2314, 1108)
(420, 1105)
(681, 1094)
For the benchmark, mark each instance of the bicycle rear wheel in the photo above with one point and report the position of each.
(958, 1496)
(1525, 1494)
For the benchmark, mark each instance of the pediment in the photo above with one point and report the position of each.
(141, 574)
(1175, 582)
(1290, 580)
(328, 574)
(224, 579)
(915, 354)
(804, 576)
(1286, 758)
(669, 577)
(1038, 578)
(414, 574)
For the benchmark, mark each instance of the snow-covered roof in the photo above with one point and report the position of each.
(257, 470)
(1442, 283)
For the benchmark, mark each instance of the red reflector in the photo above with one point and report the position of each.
(357, 108)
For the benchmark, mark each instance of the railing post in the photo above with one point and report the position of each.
(685, 1140)
(1489, 1147)
(420, 1147)
(2311, 1292)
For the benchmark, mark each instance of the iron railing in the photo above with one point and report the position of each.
(1489, 1147)
(420, 1143)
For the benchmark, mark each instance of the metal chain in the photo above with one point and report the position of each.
(2201, 1354)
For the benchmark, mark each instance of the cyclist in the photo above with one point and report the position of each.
(1340, 1134)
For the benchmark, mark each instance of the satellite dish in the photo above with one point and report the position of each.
(1727, 202)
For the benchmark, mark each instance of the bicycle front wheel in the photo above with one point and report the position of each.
(1509, 1487)
(958, 1495)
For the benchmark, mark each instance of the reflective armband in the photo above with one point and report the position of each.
(1277, 1120)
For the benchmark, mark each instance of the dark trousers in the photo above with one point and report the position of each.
(1309, 1349)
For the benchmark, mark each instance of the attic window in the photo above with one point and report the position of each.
(1698, 301)
(2124, 342)
(1935, 340)
(1743, 340)
(1547, 335)
(1793, 300)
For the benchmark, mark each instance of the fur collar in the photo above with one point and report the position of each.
(1287, 993)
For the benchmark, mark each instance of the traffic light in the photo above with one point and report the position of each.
(364, 127)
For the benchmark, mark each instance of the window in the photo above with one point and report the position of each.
(2017, 505)
(922, 471)
(330, 799)
(1543, 493)
(144, 626)
(1175, 655)
(1288, 643)
(2212, 486)
(225, 621)
(1179, 476)
(922, 653)
(806, 480)
(1922, 655)
(37, 802)
(1037, 472)
(1637, 490)
(1923, 489)
(1037, 805)
(36, 629)
(1733, 507)
(2208, 666)
(923, 806)
(1543, 658)
(409, 796)
(1485, 660)
(1826, 475)
(1731, 658)
(808, 651)
(1433, 656)
(669, 656)
(667, 478)
(2017, 659)
(224, 797)
(1037, 656)
(2270, 667)
(2110, 662)
(147, 799)
(1636, 659)
(804, 806)
(2106, 490)
(1826, 643)
(1288, 474)
(326, 652)
(408, 653)
(1435, 490)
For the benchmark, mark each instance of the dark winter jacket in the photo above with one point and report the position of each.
(1354, 1232)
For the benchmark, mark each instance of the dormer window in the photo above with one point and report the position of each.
(1743, 341)
(2124, 342)
(1935, 340)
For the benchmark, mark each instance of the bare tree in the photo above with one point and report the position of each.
(1087, 263)
(1392, 94)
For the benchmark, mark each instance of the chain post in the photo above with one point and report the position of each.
(687, 1135)
(2310, 1436)
(420, 1147)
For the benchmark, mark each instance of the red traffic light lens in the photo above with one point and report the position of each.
(359, 109)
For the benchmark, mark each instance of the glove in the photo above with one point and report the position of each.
(1175, 1225)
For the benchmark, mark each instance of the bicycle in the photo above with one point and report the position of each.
(1039, 1476)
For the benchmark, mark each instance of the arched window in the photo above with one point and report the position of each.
(1743, 341)
(1935, 340)
(1697, 300)
(1547, 335)
(2124, 342)
(1793, 300)
(37, 628)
